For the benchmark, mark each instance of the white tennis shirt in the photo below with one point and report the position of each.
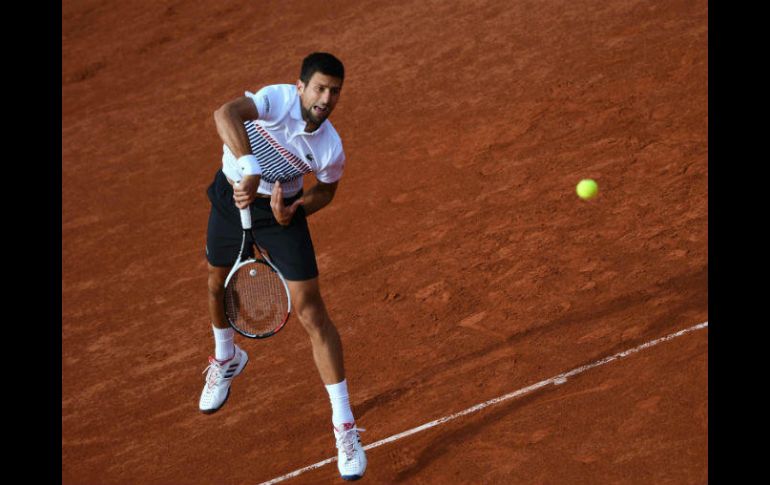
(284, 150)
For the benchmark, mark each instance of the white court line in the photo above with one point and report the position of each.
(556, 380)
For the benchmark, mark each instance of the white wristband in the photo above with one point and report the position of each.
(249, 165)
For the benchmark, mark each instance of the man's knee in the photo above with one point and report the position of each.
(216, 281)
(309, 306)
(312, 315)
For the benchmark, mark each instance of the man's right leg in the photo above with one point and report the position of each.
(223, 333)
(228, 360)
(216, 284)
(223, 240)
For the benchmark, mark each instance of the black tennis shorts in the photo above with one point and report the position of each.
(289, 247)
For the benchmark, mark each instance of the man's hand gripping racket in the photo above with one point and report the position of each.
(257, 299)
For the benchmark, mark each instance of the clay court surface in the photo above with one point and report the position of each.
(456, 259)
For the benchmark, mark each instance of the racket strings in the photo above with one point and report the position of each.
(256, 300)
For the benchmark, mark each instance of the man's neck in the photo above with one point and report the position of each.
(310, 127)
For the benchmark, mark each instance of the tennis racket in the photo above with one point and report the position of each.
(257, 299)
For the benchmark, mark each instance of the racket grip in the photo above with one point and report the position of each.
(245, 213)
(246, 218)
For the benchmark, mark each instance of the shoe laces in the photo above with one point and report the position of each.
(346, 440)
(214, 370)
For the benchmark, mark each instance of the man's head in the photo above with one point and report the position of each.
(319, 86)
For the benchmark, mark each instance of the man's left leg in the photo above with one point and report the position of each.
(327, 353)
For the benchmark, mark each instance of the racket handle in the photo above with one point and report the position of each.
(245, 213)
(246, 218)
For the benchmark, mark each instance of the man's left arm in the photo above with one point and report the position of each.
(315, 199)
(319, 196)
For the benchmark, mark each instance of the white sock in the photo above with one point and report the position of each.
(338, 395)
(223, 339)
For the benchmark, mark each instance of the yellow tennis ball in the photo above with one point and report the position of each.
(587, 189)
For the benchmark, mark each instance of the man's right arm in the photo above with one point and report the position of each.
(229, 119)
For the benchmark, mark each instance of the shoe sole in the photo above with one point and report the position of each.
(351, 478)
(212, 411)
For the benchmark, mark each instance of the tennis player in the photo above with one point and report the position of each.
(271, 139)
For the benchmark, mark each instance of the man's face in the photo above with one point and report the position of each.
(318, 98)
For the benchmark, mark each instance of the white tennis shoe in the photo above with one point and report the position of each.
(351, 458)
(218, 379)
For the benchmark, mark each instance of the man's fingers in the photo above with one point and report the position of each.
(288, 212)
(276, 200)
(282, 213)
(243, 198)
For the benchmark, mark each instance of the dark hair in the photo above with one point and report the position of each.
(321, 62)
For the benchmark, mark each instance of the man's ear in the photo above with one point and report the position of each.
(300, 86)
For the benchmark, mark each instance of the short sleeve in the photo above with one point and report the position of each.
(271, 102)
(333, 171)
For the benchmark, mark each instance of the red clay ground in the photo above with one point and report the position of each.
(456, 259)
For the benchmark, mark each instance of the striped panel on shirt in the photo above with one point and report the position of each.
(277, 162)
